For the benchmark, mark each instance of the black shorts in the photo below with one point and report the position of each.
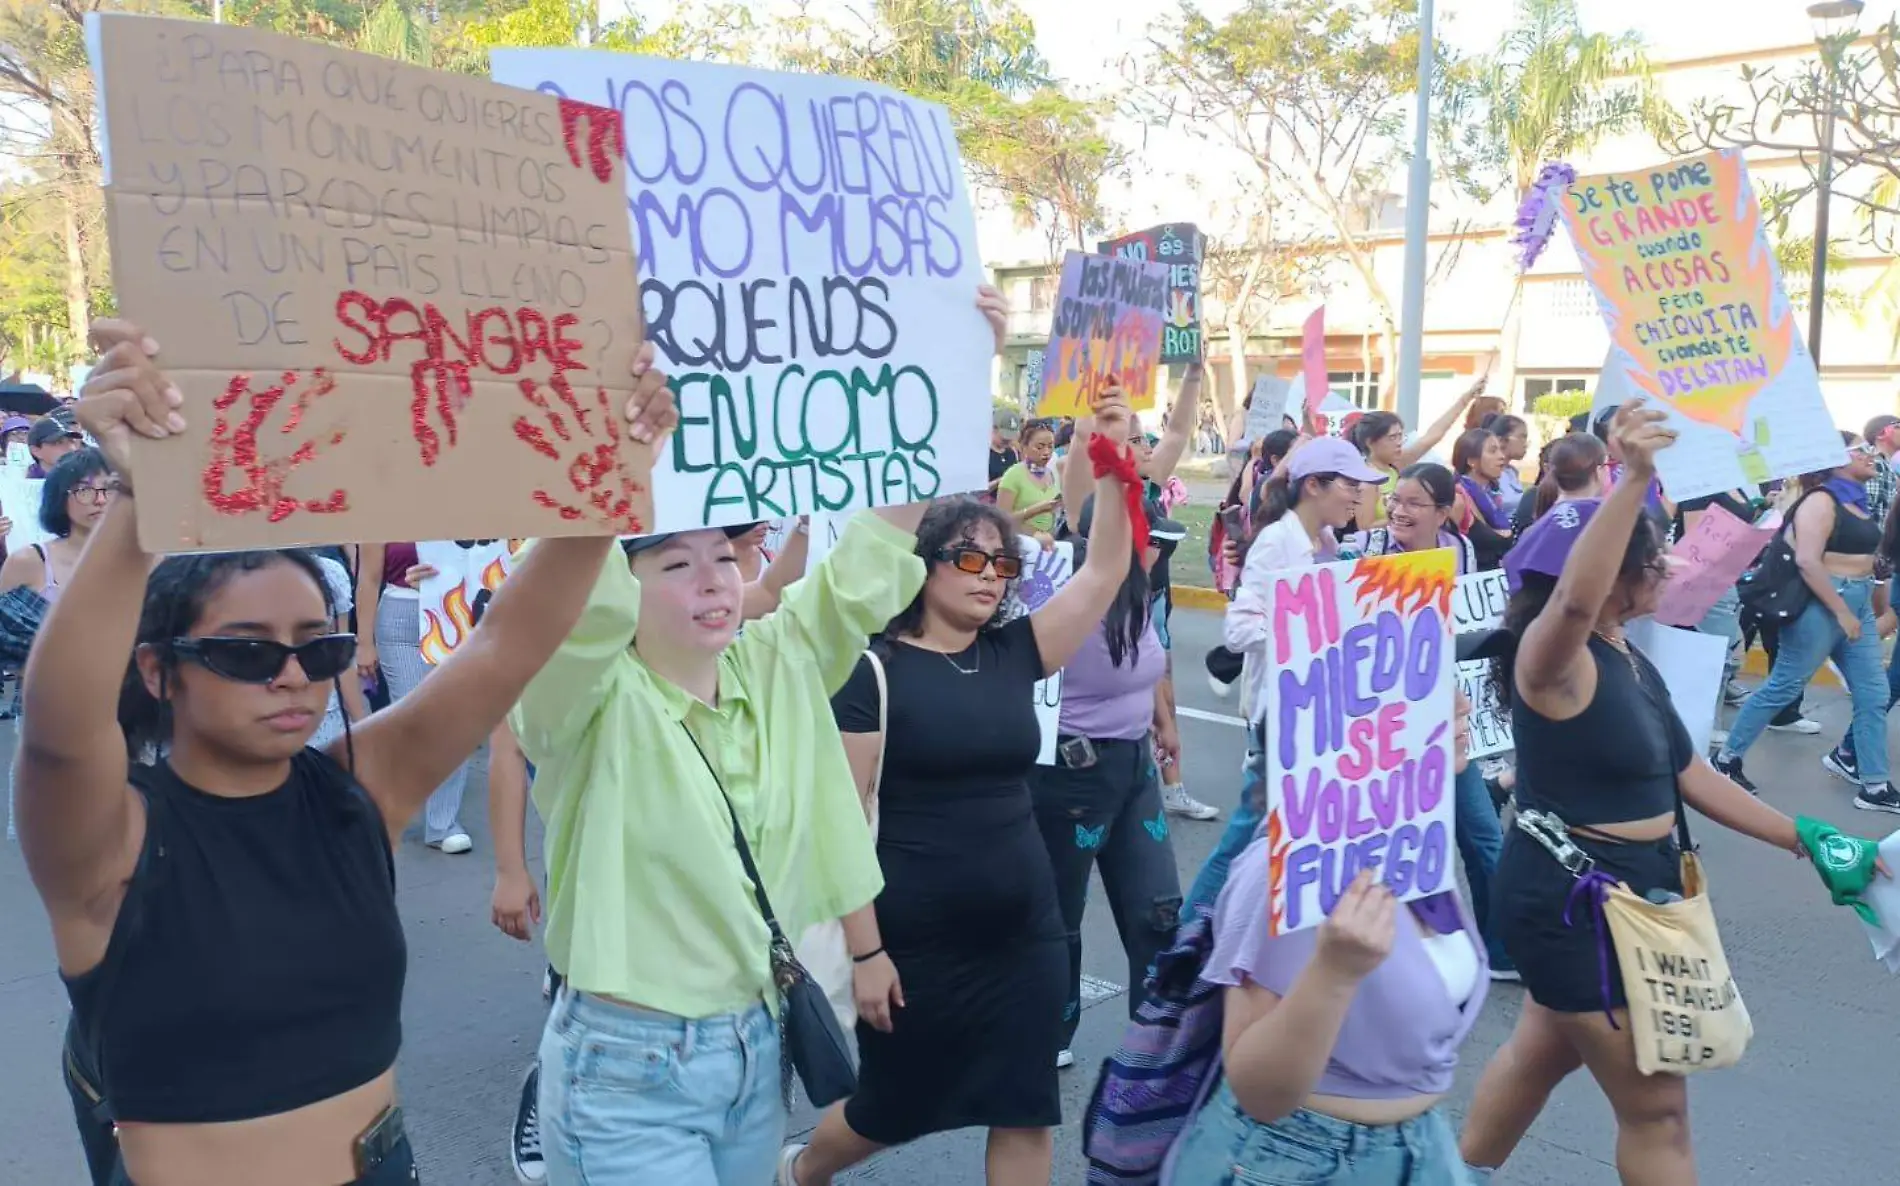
(1564, 965)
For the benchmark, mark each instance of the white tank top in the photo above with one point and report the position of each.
(1456, 958)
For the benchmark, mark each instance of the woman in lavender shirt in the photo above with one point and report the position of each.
(1338, 1042)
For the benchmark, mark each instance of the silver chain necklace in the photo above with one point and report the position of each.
(960, 669)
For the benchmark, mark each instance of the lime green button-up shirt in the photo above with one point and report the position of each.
(647, 899)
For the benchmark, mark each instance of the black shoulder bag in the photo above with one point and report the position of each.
(810, 1042)
(1773, 588)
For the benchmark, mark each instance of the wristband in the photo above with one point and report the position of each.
(868, 956)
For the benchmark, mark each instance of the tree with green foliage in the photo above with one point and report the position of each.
(1552, 92)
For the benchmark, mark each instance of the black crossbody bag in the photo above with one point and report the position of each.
(810, 1042)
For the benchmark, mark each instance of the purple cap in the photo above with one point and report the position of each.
(1330, 455)
(14, 424)
(1546, 544)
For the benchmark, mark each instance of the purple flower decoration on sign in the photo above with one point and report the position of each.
(1537, 216)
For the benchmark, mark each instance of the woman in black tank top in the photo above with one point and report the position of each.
(1836, 543)
(1601, 750)
(225, 921)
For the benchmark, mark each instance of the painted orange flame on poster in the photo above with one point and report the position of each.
(447, 631)
(1686, 282)
(1406, 581)
(1277, 846)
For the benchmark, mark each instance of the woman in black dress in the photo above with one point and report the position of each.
(963, 957)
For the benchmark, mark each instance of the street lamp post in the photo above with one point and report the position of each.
(1418, 205)
(1831, 18)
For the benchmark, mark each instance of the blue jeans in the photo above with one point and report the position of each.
(1848, 749)
(1813, 637)
(1241, 826)
(1225, 1145)
(1724, 620)
(1480, 840)
(633, 1096)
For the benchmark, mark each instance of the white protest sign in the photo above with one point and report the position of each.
(1478, 604)
(809, 269)
(1691, 664)
(1044, 572)
(20, 503)
(823, 536)
(463, 569)
(1266, 408)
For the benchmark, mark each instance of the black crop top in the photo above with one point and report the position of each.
(1853, 535)
(257, 962)
(1615, 761)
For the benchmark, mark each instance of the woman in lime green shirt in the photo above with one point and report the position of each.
(1028, 492)
(653, 727)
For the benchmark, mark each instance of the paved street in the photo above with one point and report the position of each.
(1809, 1104)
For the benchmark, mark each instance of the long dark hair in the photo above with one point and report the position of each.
(1127, 617)
(949, 522)
(1645, 549)
(1468, 449)
(66, 476)
(1570, 462)
(175, 596)
(1437, 481)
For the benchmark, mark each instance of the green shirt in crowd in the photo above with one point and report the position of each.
(1028, 492)
(647, 900)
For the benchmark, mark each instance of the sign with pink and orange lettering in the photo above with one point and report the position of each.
(1699, 324)
(1358, 713)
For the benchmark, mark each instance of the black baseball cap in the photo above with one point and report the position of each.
(48, 429)
(644, 543)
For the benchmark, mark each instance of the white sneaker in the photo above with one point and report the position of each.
(455, 843)
(787, 1165)
(1799, 725)
(1175, 798)
(1064, 1060)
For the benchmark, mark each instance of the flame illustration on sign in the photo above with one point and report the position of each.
(1277, 846)
(1180, 309)
(446, 632)
(495, 573)
(1752, 281)
(1406, 581)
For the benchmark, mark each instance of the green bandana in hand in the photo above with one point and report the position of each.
(1845, 863)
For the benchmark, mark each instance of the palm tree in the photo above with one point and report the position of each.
(1553, 93)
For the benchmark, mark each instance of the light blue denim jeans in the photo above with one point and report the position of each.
(1225, 1145)
(1724, 620)
(1241, 826)
(1813, 637)
(632, 1096)
(1480, 840)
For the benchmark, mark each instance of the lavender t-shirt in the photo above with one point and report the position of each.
(1107, 702)
(1402, 1032)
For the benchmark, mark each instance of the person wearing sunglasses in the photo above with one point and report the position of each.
(963, 965)
(71, 503)
(225, 919)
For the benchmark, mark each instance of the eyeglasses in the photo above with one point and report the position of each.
(1393, 502)
(974, 560)
(262, 660)
(91, 495)
(1865, 450)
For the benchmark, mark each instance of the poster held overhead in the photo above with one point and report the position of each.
(1267, 405)
(1478, 604)
(1045, 572)
(1108, 322)
(400, 303)
(1699, 323)
(1313, 360)
(1181, 247)
(809, 268)
(1358, 712)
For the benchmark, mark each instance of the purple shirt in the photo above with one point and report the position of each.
(1107, 702)
(1402, 1032)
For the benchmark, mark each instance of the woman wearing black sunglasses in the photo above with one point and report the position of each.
(970, 1036)
(225, 920)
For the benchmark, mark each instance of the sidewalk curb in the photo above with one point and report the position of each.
(1755, 663)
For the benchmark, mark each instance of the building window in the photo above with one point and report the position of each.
(1361, 387)
(1042, 292)
(1536, 389)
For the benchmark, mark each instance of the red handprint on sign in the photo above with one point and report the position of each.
(601, 486)
(235, 446)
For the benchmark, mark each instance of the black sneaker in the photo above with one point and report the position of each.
(1731, 769)
(1841, 766)
(524, 1150)
(1878, 799)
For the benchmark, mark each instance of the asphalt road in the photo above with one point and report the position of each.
(1808, 1105)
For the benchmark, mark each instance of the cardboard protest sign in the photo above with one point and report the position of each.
(1313, 360)
(809, 270)
(1699, 324)
(1180, 246)
(400, 304)
(20, 504)
(1478, 604)
(1044, 574)
(1109, 315)
(465, 570)
(1707, 562)
(1358, 713)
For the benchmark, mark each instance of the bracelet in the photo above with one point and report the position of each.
(868, 956)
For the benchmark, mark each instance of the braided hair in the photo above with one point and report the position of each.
(175, 598)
